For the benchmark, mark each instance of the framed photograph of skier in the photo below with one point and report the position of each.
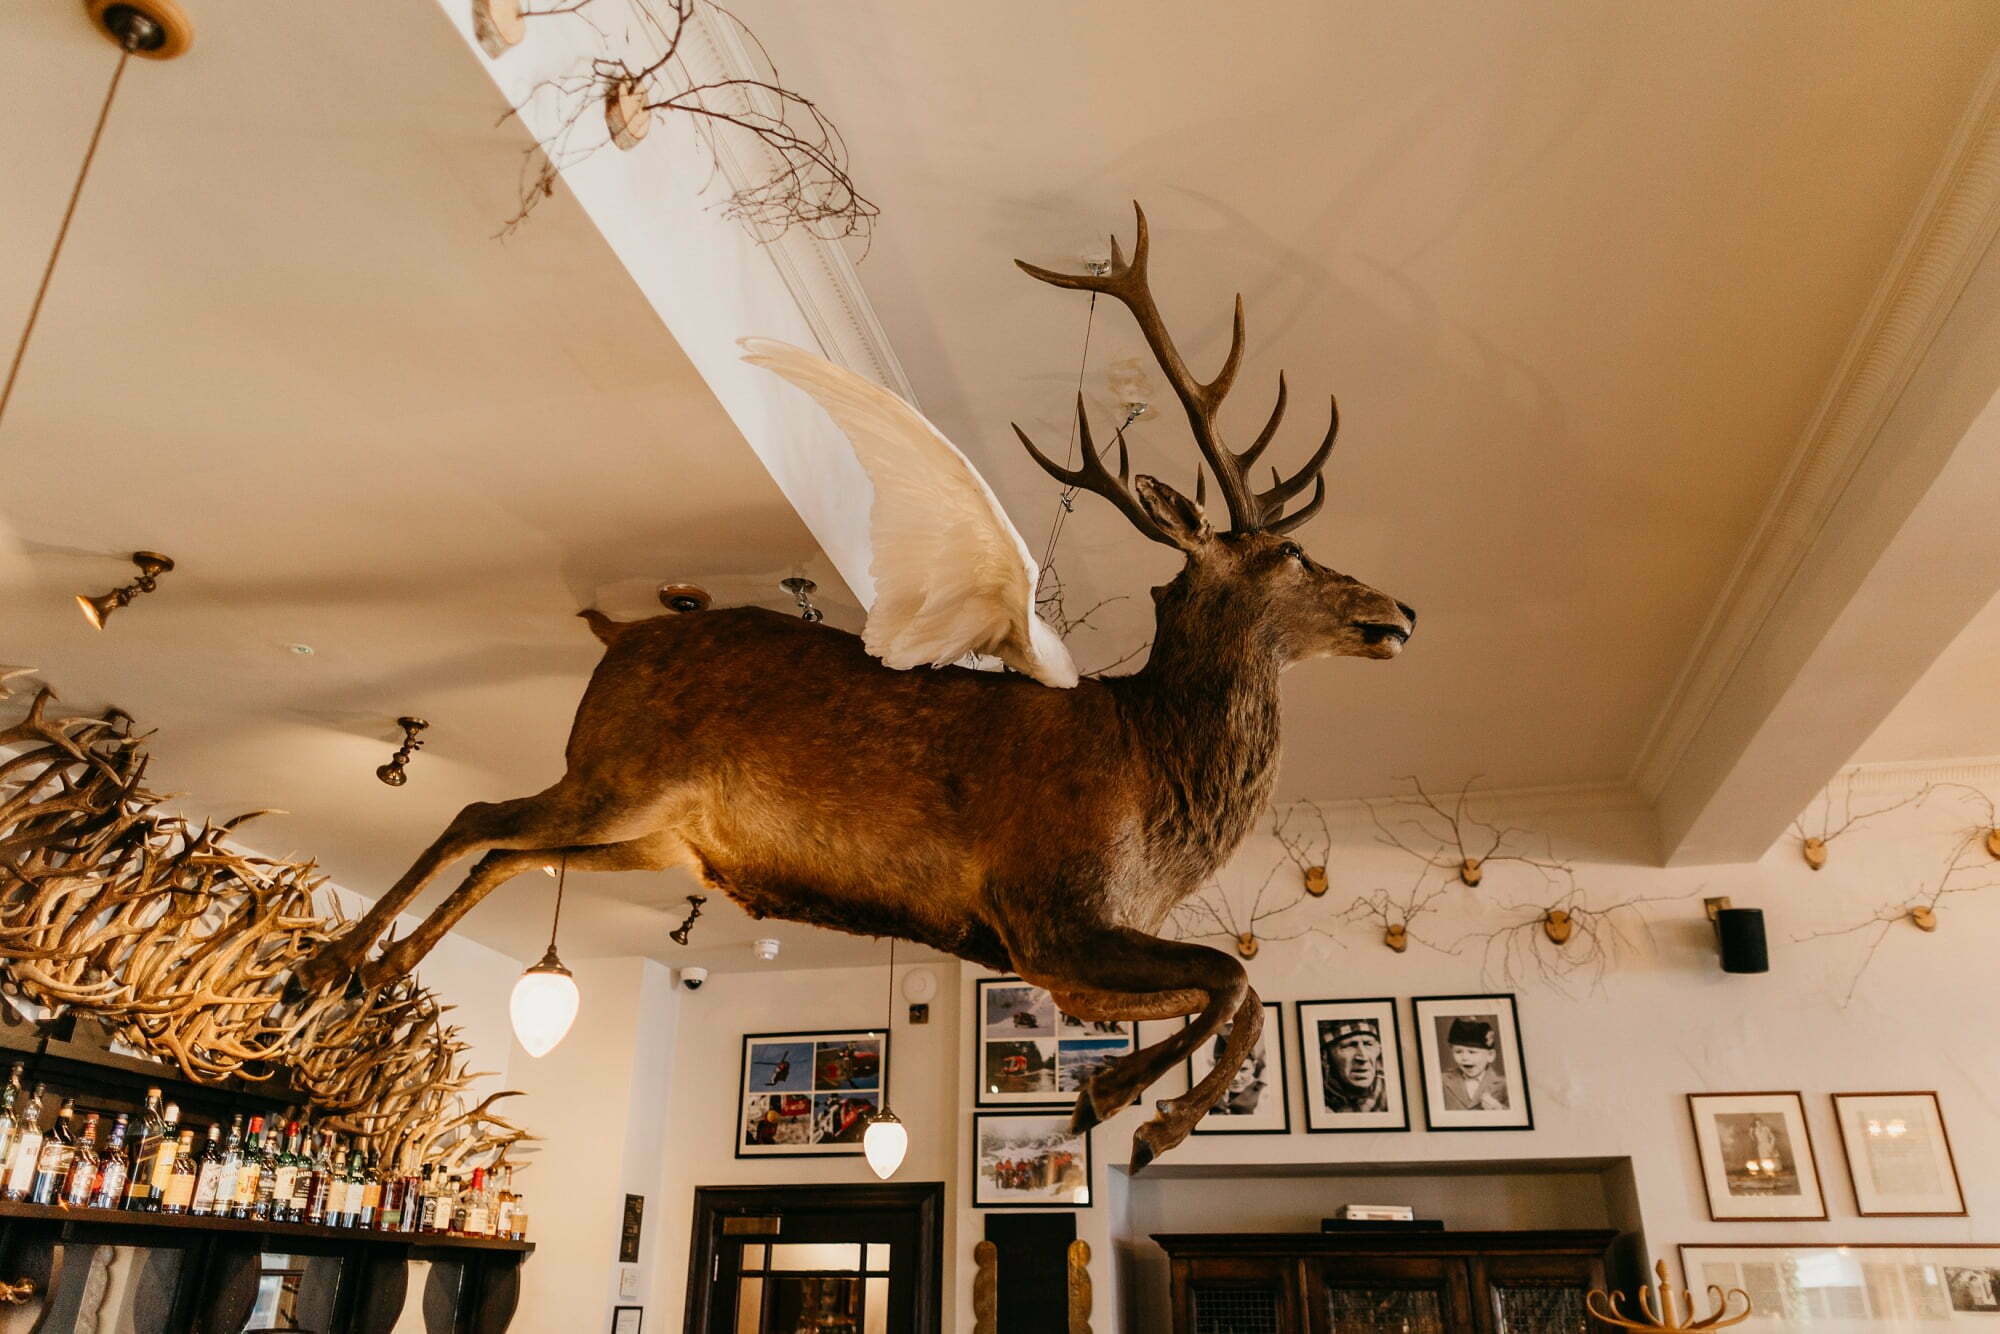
(1029, 1161)
(1469, 1054)
(1030, 1054)
(809, 1095)
(1898, 1155)
(1351, 1066)
(1258, 1103)
(1757, 1160)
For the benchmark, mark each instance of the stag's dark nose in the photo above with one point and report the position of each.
(1409, 613)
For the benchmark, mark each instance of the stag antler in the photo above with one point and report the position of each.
(1665, 1316)
(1250, 510)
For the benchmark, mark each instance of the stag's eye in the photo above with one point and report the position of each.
(1292, 551)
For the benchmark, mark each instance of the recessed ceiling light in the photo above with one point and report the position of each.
(303, 650)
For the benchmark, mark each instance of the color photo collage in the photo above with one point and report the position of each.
(808, 1094)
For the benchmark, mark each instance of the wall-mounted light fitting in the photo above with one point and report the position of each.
(151, 565)
(393, 773)
(679, 935)
(1739, 936)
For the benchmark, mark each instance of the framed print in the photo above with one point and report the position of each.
(626, 1319)
(1258, 1102)
(1757, 1160)
(1029, 1160)
(1030, 1054)
(1832, 1288)
(1351, 1066)
(1898, 1155)
(809, 1095)
(1469, 1054)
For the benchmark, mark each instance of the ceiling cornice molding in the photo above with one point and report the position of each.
(1901, 776)
(816, 271)
(1952, 228)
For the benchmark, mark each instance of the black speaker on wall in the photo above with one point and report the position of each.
(1740, 934)
(1033, 1264)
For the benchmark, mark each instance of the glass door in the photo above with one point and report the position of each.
(807, 1261)
(1380, 1294)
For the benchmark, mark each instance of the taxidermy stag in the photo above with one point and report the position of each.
(1029, 820)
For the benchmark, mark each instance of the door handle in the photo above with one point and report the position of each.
(17, 1293)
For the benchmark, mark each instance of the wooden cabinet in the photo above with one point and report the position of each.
(1385, 1282)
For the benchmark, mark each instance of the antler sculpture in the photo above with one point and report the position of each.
(114, 908)
(1666, 1315)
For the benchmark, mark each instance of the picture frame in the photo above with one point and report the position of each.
(1757, 1158)
(809, 1094)
(1259, 1099)
(1028, 1053)
(1349, 1084)
(1029, 1160)
(1899, 1158)
(1833, 1287)
(627, 1319)
(1471, 1060)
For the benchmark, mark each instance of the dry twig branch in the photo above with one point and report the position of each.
(1832, 823)
(1562, 941)
(1211, 913)
(1397, 913)
(1450, 837)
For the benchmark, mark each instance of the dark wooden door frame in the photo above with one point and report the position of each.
(923, 1198)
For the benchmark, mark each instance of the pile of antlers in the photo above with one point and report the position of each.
(114, 908)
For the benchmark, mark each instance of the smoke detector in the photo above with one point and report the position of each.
(765, 949)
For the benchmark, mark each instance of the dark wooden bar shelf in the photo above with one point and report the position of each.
(221, 1267)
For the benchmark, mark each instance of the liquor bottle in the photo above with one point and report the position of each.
(520, 1232)
(371, 1192)
(139, 1185)
(322, 1183)
(168, 1154)
(177, 1192)
(475, 1204)
(284, 1176)
(107, 1189)
(427, 1203)
(10, 1125)
(27, 1149)
(208, 1173)
(356, 1188)
(503, 1211)
(249, 1171)
(232, 1166)
(302, 1176)
(52, 1165)
(82, 1177)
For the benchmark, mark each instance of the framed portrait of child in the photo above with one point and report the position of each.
(1469, 1053)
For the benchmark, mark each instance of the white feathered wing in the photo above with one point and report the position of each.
(952, 575)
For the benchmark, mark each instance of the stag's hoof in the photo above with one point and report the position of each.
(1168, 1127)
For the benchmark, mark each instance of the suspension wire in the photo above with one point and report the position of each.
(62, 232)
(562, 877)
(888, 1020)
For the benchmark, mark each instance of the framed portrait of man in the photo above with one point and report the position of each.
(1351, 1066)
(1256, 1103)
(1469, 1053)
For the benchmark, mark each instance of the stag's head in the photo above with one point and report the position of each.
(1251, 575)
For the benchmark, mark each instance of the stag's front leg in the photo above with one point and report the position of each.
(1120, 973)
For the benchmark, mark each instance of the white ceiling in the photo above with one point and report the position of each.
(284, 347)
(1578, 273)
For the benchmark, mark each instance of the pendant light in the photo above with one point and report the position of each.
(545, 998)
(886, 1141)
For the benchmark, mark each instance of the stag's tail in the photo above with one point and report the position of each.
(606, 629)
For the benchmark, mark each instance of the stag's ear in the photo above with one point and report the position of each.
(1180, 518)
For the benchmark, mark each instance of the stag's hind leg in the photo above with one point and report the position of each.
(1120, 973)
(555, 817)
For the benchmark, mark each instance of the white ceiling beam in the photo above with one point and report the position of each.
(1875, 554)
(660, 206)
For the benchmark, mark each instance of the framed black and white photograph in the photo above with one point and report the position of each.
(1469, 1052)
(1351, 1066)
(1258, 1102)
(1029, 1160)
(1898, 1155)
(627, 1319)
(809, 1095)
(1757, 1160)
(1029, 1053)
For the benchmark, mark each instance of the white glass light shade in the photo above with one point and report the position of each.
(885, 1143)
(544, 1005)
